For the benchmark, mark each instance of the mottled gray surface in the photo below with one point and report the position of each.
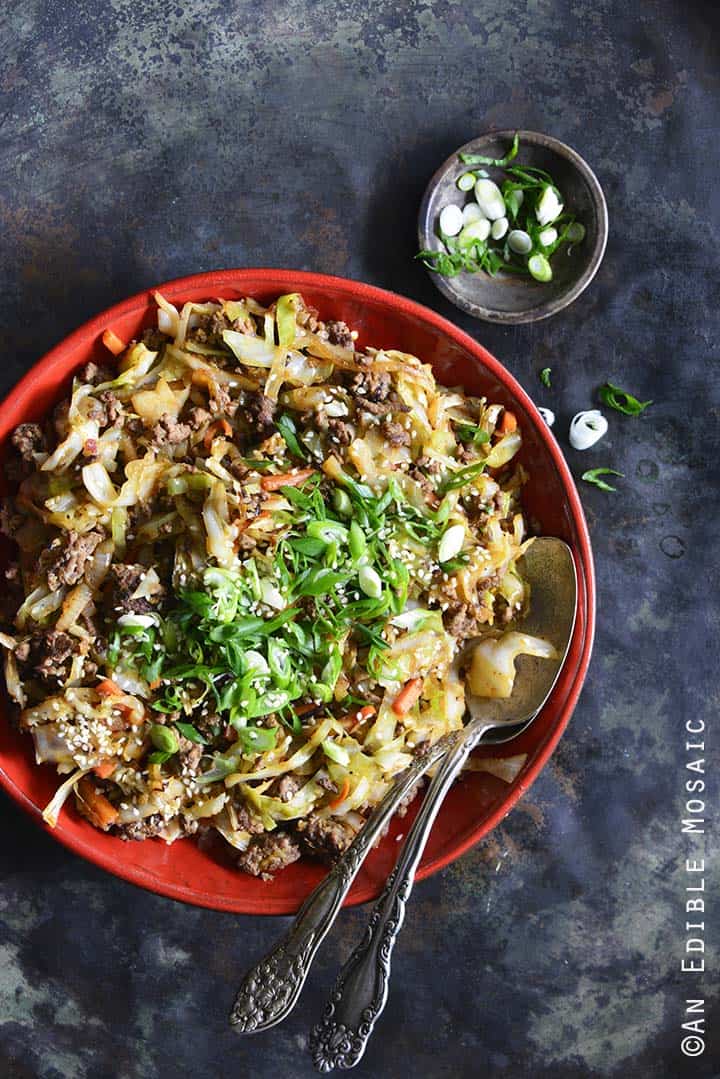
(140, 141)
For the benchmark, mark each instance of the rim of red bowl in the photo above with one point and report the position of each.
(271, 278)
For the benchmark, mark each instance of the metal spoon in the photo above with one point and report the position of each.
(361, 989)
(271, 988)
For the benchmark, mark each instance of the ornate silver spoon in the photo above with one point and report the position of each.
(361, 989)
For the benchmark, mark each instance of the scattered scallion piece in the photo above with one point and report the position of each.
(496, 162)
(545, 376)
(621, 400)
(593, 476)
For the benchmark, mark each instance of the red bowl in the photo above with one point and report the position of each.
(477, 802)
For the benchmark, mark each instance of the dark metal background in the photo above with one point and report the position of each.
(144, 140)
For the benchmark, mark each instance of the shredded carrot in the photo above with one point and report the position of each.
(90, 447)
(155, 684)
(105, 768)
(286, 479)
(354, 719)
(304, 709)
(108, 688)
(102, 812)
(113, 342)
(214, 430)
(345, 790)
(407, 697)
(508, 423)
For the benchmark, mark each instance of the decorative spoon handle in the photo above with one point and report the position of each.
(271, 988)
(360, 992)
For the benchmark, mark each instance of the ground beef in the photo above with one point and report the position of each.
(338, 430)
(66, 557)
(10, 519)
(142, 829)
(189, 754)
(153, 339)
(113, 408)
(339, 334)
(29, 439)
(49, 656)
(94, 374)
(267, 853)
(373, 385)
(60, 418)
(464, 620)
(155, 825)
(395, 433)
(259, 414)
(197, 418)
(248, 822)
(285, 788)
(123, 581)
(324, 837)
(327, 784)
(168, 432)
(425, 465)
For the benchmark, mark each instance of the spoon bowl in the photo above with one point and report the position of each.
(549, 568)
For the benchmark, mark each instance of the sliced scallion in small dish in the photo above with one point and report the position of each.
(513, 222)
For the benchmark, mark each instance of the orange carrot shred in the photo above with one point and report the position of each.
(286, 479)
(113, 342)
(105, 768)
(407, 697)
(340, 798)
(508, 423)
(108, 688)
(102, 812)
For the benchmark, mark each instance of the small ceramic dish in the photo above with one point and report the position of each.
(509, 298)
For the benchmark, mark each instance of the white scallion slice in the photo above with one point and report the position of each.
(451, 220)
(489, 199)
(499, 228)
(472, 212)
(369, 581)
(575, 233)
(540, 268)
(587, 428)
(519, 242)
(475, 231)
(549, 207)
(451, 543)
(548, 415)
(548, 236)
(466, 182)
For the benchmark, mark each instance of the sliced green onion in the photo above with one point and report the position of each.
(191, 733)
(575, 233)
(370, 582)
(451, 543)
(342, 503)
(466, 182)
(540, 268)
(164, 738)
(496, 162)
(592, 476)
(358, 543)
(545, 376)
(621, 400)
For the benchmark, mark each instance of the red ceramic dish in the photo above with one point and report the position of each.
(479, 801)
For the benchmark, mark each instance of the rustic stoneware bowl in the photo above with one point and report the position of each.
(509, 298)
(195, 873)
